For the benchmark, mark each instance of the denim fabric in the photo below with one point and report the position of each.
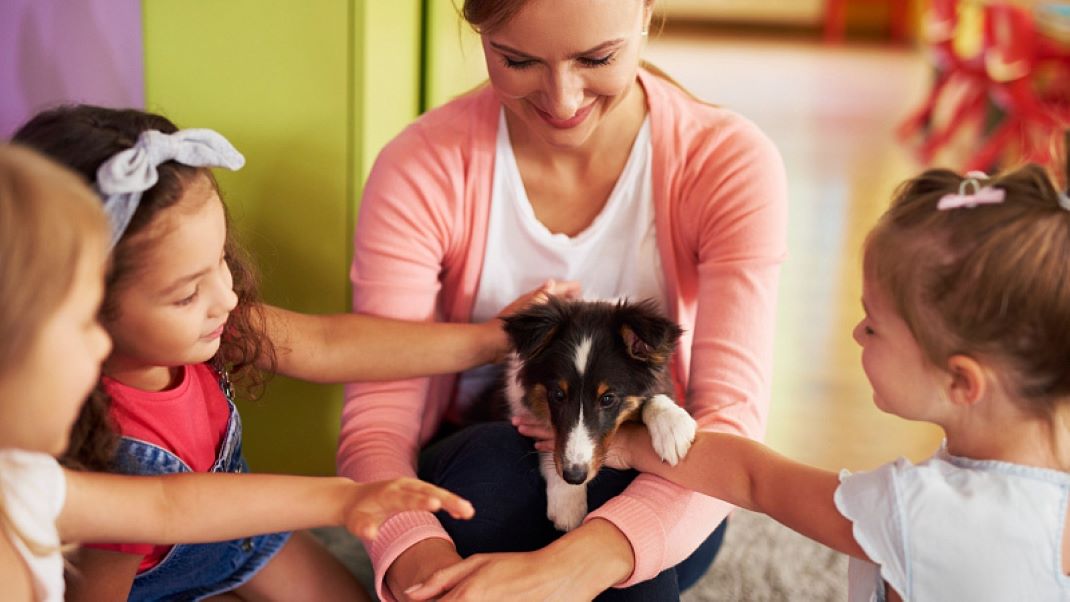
(196, 571)
(498, 470)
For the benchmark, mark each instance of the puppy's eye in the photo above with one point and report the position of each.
(607, 400)
(557, 395)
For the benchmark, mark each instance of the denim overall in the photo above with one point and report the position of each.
(196, 571)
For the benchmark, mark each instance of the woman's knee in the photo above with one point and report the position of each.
(490, 455)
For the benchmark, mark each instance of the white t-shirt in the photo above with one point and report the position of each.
(615, 257)
(954, 528)
(34, 490)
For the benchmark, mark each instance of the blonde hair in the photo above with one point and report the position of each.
(992, 281)
(48, 216)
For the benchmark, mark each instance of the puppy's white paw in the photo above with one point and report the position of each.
(566, 504)
(671, 428)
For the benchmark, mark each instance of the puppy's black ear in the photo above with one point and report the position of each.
(648, 336)
(532, 329)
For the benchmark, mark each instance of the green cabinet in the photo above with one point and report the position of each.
(309, 91)
(453, 56)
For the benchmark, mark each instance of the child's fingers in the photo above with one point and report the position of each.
(569, 289)
(541, 294)
(429, 497)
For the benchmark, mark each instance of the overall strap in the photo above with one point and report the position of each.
(224, 378)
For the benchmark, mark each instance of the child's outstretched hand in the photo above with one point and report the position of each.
(373, 503)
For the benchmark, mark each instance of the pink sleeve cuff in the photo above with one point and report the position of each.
(657, 546)
(644, 532)
(399, 533)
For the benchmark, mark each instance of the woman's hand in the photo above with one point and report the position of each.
(373, 503)
(504, 576)
(580, 565)
(619, 454)
(530, 427)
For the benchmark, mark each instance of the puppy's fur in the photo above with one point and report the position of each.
(585, 367)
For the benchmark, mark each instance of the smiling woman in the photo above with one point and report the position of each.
(574, 163)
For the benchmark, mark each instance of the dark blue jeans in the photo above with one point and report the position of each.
(498, 470)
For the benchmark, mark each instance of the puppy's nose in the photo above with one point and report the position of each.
(575, 474)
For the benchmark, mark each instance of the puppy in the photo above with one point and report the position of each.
(584, 368)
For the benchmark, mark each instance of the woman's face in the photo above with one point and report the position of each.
(560, 67)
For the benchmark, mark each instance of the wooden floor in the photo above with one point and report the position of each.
(831, 111)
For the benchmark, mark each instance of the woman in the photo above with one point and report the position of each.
(576, 162)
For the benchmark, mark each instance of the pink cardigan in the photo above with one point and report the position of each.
(720, 213)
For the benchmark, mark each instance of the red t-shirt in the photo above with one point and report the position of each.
(189, 420)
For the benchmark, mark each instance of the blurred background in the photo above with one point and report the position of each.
(857, 94)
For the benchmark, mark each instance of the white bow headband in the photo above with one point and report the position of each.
(122, 179)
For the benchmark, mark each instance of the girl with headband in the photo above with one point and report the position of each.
(51, 348)
(181, 307)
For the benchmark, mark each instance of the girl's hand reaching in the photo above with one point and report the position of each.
(568, 289)
(499, 342)
(373, 503)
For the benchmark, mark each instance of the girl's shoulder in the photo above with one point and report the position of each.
(955, 475)
(33, 489)
(24, 475)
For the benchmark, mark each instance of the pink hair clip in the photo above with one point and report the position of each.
(981, 195)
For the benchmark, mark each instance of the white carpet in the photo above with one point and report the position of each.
(761, 561)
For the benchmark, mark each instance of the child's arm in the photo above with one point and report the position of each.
(201, 507)
(748, 474)
(18, 583)
(100, 575)
(343, 348)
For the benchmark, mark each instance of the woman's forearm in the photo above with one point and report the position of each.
(599, 554)
(341, 348)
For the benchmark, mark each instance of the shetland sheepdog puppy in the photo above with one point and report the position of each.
(585, 367)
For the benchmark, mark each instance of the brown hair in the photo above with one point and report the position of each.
(48, 218)
(487, 15)
(990, 282)
(83, 137)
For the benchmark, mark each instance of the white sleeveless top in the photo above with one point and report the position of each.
(954, 528)
(616, 256)
(34, 490)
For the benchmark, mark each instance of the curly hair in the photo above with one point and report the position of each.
(990, 281)
(83, 137)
